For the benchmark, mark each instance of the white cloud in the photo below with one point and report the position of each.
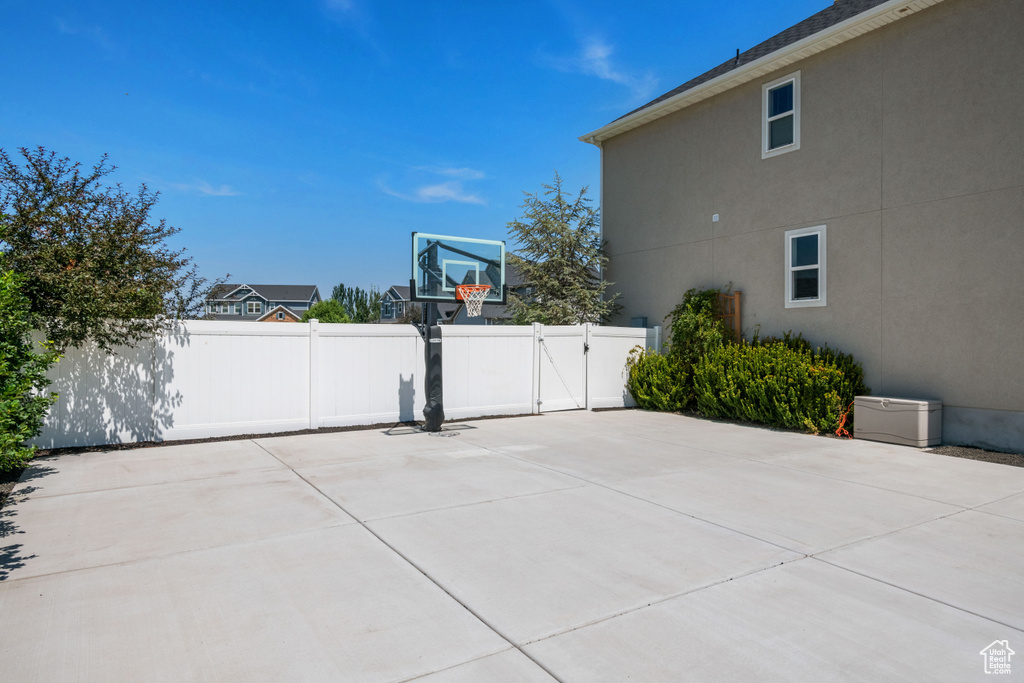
(94, 33)
(427, 191)
(595, 59)
(342, 6)
(461, 173)
(203, 187)
(451, 191)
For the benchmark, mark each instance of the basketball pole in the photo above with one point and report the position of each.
(433, 411)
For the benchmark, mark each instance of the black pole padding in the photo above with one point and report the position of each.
(433, 412)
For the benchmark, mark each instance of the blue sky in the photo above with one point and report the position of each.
(302, 142)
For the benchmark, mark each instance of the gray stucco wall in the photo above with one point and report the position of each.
(912, 155)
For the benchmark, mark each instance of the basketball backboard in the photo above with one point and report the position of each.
(440, 263)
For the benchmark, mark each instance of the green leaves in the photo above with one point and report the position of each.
(360, 306)
(559, 257)
(778, 381)
(326, 311)
(779, 384)
(91, 263)
(657, 382)
(23, 401)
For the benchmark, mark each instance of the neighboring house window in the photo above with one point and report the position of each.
(780, 116)
(389, 310)
(805, 267)
(280, 315)
(254, 307)
(399, 308)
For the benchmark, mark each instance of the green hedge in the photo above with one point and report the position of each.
(23, 382)
(657, 382)
(780, 383)
(776, 381)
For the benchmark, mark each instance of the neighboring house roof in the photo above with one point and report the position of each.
(269, 292)
(842, 21)
(273, 312)
(400, 293)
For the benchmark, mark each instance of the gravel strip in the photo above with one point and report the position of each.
(1014, 459)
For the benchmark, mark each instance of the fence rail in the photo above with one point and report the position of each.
(215, 378)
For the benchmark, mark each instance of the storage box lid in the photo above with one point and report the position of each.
(882, 402)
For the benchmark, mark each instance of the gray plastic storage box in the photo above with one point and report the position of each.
(905, 421)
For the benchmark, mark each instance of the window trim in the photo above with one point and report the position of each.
(250, 305)
(794, 78)
(822, 299)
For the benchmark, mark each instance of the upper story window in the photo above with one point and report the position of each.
(280, 315)
(253, 307)
(805, 267)
(780, 118)
(387, 309)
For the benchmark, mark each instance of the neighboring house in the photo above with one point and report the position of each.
(394, 304)
(490, 314)
(860, 177)
(261, 303)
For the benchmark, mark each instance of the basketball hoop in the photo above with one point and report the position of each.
(473, 296)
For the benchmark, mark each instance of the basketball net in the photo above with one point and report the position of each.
(473, 296)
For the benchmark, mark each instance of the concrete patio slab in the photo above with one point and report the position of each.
(803, 621)
(738, 440)
(538, 565)
(970, 560)
(75, 531)
(386, 487)
(609, 458)
(796, 510)
(589, 546)
(311, 450)
(84, 472)
(929, 475)
(510, 666)
(329, 605)
(1011, 506)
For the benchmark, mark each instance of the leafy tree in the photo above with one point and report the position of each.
(326, 311)
(91, 263)
(560, 257)
(360, 306)
(23, 401)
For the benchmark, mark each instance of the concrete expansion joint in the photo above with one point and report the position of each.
(415, 566)
(918, 594)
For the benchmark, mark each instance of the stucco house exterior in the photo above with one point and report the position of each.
(860, 177)
(261, 303)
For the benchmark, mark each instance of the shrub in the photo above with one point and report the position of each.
(23, 379)
(779, 383)
(657, 382)
(326, 311)
(696, 328)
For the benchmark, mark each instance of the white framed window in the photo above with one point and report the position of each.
(780, 116)
(253, 307)
(805, 267)
(280, 315)
(388, 310)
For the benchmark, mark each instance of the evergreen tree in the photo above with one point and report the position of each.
(559, 257)
(360, 306)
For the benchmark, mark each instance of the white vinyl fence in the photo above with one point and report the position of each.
(226, 378)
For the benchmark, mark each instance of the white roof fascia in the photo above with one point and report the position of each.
(869, 20)
(225, 297)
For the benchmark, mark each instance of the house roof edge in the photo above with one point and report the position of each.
(857, 25)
